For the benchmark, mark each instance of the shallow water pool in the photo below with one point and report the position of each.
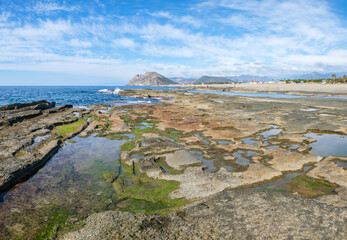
(328, 144)
(70, 184)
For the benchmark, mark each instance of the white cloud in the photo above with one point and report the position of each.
(125, 43)
(78, 43)
(185, 19)
(44, 7)
(272, 38)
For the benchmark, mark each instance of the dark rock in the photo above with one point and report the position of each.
(147, 165)
(20, 124)
(60, 108)
(28, 106)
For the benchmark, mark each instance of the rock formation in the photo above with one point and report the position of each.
(150, 79)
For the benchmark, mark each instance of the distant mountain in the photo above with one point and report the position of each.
(210, 79)
(249, 78)
(316, 75)
(182, 80)
(150, 79)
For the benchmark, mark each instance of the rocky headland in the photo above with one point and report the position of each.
(196, 166)
(150, 79)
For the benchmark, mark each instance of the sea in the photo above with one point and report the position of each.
(75, 95)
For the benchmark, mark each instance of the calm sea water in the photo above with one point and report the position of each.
(75, 95)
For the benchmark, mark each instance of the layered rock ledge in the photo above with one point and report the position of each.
(27, 140)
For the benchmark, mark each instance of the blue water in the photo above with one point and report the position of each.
(89, 95)
(75, 95)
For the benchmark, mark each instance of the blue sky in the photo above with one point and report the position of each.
(95, 42)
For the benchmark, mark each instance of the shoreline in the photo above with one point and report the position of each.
(309, 89)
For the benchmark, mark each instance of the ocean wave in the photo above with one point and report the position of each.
(116, 91)
(104, 90)
(108, 91)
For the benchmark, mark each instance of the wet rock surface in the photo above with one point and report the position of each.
(26, 142)
(239, 214)
(244, 141)
(157, 158)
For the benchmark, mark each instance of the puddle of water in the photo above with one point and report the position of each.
(273, 126)
(242, 157)
(36, 142)
(130, 136)
(294, 147)
(227, 167)
(71, 182)
(283, 180)
(137, 156)
(145, 125)
(103, 111)
(271, 132)
(272, 147)
(328, 144)
(341, 164)
(198, 136)
(163, 169)
(209, 164)
(249, 140)
(309, 109)
(218, 101)
(76, 114)
(224, 142)
(326, 115)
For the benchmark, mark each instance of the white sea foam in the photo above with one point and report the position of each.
(103, 90)
(116, 91)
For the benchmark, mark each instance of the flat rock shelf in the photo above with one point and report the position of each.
(201, 166)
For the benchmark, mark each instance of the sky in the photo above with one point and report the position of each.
(95, 42)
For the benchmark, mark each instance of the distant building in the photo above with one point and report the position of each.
(253, 82)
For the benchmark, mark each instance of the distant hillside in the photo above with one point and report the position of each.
(248, 78)
(150, 79)
(182, 80)
(316, 75)
(210, 79)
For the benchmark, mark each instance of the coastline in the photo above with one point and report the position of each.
(308, 89)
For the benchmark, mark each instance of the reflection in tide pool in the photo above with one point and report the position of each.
(328, 144)
(342, 164)
(70, 184)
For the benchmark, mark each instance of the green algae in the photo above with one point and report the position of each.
(161, 162)
(108, 177)
(310, 187)
(116, 136)
(56, 221)
(153, 194)
(67, 130)
(127, 146)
